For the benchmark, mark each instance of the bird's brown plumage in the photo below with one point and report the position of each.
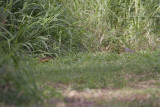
(45, 59)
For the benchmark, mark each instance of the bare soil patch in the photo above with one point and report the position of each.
(142, 92)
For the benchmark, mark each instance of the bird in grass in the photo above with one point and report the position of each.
(127, 50)
(45, 59)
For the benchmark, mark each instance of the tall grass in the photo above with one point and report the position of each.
(112, 24)
(54, 26)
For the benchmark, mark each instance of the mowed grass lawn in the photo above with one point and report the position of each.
(100, 79)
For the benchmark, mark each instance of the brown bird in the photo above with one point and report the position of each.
(45, 59)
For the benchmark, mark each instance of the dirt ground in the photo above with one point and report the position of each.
(141, 93)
